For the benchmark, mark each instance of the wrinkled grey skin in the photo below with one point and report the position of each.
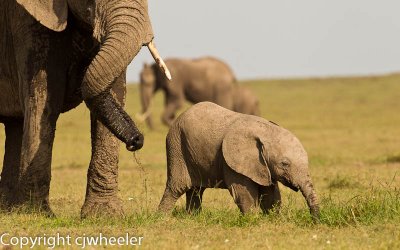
(54, 54)
(196, 80)
(211, 147)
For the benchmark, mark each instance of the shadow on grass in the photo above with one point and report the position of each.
(386, 159)
(341, 182)
(393, 159)
(223, 217)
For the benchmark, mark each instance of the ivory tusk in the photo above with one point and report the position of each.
(160, 62)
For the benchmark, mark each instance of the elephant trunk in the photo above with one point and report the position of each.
(307, 189)
(124, 27)
(124, 32)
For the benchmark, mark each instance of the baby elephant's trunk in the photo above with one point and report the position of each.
(307, 189)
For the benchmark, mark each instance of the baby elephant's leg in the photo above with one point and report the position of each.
(243, 190)
(178, 181)
(169, 199)
(270, 198)
(194, 197)
(245, 196)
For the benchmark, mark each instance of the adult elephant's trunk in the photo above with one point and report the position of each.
(125, 28)
(307, 189)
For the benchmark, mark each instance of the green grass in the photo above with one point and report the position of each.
(349, 126)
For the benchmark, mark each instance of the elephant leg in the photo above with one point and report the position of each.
(178, 180)
(194, 197)
(270, 198)
(243, 190)
(102, 177)
(39, 127)
(172, 105)
(224, 94)
(245, 195)
(11, 163)
(41, 69)
(150, 123)
(169, 199)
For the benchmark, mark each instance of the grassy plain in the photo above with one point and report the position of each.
(349, 126)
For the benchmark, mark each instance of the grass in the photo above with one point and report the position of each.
(349, 126)
(342, 182)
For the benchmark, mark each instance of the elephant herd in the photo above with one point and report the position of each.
(56, 54)
(196, 80)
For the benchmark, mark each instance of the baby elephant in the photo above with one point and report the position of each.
(209, 146)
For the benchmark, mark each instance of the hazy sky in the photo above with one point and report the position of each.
(280, 38)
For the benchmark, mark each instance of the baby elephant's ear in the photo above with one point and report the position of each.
(51, 13)
(243, 151)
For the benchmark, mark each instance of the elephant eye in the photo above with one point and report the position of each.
(285, 163)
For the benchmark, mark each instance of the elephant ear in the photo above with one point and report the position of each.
(50, 13)
(243, 150)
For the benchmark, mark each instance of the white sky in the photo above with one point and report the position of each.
(280, 38)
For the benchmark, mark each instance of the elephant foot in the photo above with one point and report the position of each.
(12, 201)
(169, 199)
(194, 198)
(3, 199)
(42, 208)
(102, 207)
(7, 198)
(18, 206)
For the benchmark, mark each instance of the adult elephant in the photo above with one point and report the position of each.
(245, 101)
(54, 54)
(196, 80)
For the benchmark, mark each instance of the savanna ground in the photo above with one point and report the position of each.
(349, 126)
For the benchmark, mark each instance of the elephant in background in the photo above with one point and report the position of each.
(195, 80)
(209, 146)
(245, 101)
(54, 55)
